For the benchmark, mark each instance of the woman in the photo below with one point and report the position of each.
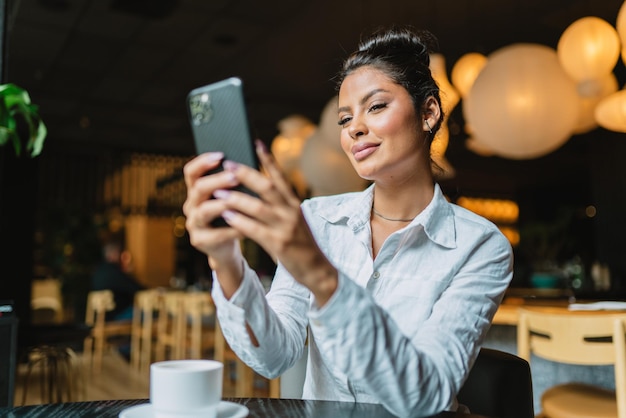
(396, 285)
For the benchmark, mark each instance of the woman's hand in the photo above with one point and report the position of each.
(221, 245)
(275, 221)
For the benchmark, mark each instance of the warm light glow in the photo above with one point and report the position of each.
(326, 168)
(620, 26)
(512, 234)
(179, 227)
(449, 99)
(449, 96)
(589, 49)
(465, 71)
(287, 147)
(611, 112)
(500, 211)
(522, 104)
(478, 147)
(496, 210)
(587, 104)
(442, 168)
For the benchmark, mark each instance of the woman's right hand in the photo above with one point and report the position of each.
(220, 244)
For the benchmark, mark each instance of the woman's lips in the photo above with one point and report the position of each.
(363, 150)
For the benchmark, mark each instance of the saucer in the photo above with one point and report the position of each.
(224, 410)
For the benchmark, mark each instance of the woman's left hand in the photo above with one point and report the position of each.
(275, 221)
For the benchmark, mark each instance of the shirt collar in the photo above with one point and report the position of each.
(354, 210)
(438, 220)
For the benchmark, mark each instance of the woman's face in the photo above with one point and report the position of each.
(381, 133)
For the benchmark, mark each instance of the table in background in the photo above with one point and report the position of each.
(545, 374)
(552, 300)
(259, 408)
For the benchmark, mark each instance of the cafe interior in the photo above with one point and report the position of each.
(533, 139)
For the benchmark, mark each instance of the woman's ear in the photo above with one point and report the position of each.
(431, 114)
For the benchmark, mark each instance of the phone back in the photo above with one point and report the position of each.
(219, 121)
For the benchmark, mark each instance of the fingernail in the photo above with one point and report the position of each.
(228, 215)
(214, 156)
(260, 146)
(230, 165)
(221, 194)
(230, 177)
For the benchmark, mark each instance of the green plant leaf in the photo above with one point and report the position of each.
(15, 102)
(4, 135)
(36, 144)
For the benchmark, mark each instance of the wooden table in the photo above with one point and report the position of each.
(503, 336)
(259, 408)
(508, 312)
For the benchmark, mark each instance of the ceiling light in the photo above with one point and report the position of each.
(588, 50)
(465, 71)
(522, 104)
(610, 113)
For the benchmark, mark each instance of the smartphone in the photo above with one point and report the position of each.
(219, 122)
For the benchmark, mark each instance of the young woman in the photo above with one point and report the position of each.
(395, 285)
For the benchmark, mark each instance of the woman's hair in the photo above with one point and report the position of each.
(403, 54)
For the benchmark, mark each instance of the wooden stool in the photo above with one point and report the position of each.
(58, 367)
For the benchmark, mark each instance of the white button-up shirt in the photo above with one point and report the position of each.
(402, 330)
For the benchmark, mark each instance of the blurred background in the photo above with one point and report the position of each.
(110, 79)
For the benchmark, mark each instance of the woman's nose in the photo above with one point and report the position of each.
(357, 128)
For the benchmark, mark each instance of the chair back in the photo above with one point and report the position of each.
(584, 338)
(198, 306)
(499, 385)
(170, 328)
(145, 307)
(46, 301)
(574, 337)
(99, 302)
(181, 325)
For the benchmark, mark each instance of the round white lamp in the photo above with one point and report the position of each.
(522, 104)
(465, 71)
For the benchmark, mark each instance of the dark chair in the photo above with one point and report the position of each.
(499, 386)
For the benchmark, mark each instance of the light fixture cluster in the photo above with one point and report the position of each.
(502, 212)
(526, 100)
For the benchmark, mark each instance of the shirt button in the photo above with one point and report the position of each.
(376, 275)
(317, 323)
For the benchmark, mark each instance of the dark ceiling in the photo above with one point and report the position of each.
(115, 73)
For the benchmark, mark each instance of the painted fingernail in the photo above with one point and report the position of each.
(260, 146)
(228, 215)
(214, 156)
(221, 194)
(230, 165)
(230, 177)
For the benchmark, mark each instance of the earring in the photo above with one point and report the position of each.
(430, 130)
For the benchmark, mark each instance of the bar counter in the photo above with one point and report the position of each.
(259, 408)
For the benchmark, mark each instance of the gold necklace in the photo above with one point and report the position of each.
(390, 219)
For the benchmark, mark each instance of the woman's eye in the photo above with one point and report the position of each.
(344, 120)
(377, 106)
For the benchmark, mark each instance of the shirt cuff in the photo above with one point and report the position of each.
(331, 318)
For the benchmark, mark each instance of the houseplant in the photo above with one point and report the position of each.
(17, 114)
(23, 131)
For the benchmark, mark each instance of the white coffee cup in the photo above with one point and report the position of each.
(186, 388)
